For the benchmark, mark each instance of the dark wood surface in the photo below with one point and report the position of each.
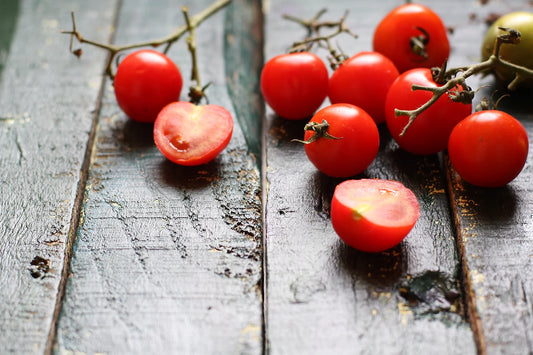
(106, 247)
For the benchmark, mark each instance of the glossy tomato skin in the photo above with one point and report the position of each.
(430, 131)
(363, 80)
(392, 37)
(189, 134)
(488, 148)
(146, 81)
(294, 85)
(519, 54)
(373, 215)
(356, 149)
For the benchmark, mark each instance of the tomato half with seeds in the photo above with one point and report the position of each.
(146, 81)
(412, 36)
(363, 80)
(488, 148)
(353, 141)
(373, 215)
(429, 132)
(294, 85)
(189, 134)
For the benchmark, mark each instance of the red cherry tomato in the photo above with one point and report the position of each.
(429, 133)
(145, 82)
(488, 148)
(408, 28)
(356, 147)
(295, 84)
(373, 215)
(189, 134)
(363, 80)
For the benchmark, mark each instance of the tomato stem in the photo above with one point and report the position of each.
(320, 129)
(113, 50)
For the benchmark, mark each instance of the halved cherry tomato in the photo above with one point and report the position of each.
(363, 80)
(373, 215)
(295, 84)
(354, 143)
(189, 134)
(412, 36)
(145, 82)
(488, 148)
(430, 131)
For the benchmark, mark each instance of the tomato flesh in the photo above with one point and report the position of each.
(189, 134)
(146, 81)
(373, 215)
(488, 148)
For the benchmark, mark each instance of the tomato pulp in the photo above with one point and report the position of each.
(373, 215)
(145, 82)
(189, 134)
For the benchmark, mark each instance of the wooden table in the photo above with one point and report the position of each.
(107, 248)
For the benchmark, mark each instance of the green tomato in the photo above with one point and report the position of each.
(520, 54)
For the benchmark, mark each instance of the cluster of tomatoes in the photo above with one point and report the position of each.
(147, 88)
(487, 148)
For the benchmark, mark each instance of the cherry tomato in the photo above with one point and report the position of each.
(373, 215)
(363, 80)
(488, 148)
(145, 82)
(295, 84)
(189, 134)
(412, 36)
(429, 133)
(519, 54)
(356, 145)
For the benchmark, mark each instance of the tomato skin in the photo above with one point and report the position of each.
(146, 81)
(373, 215)
(353, 153)
(393, 34)
(363, 80)
(294, 85)
(430, 131)
(488, 148)
(519, 54)
(189, 134)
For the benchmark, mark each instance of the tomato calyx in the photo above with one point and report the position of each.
(419, 43)
(320, 129)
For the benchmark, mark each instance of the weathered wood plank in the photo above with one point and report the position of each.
(46, 115)
(334, 299)
(168, 258)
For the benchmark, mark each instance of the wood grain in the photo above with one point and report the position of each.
(44, 130)
(168, 258)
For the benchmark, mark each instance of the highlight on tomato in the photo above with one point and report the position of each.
(363, 80)
(294, 85)
(488, 148)
(189, 134)
(146, 81)
(373, 215)
(429, 132)
(412, 36)
(342, 140)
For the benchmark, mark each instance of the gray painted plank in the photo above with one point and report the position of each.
(44, 131)
(332, 298)
(168, 258)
